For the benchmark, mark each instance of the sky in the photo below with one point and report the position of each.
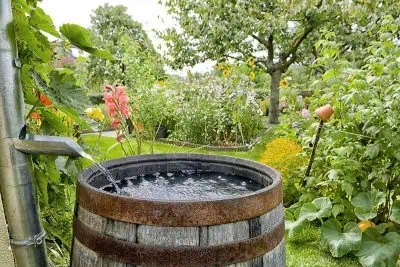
(150, 13)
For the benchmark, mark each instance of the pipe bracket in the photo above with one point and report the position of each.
(36, 240)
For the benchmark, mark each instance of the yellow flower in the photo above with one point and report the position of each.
(95, 113)
(252, 75)
(160, 83)
(283, 84)
(251, 62)
(226, 72)
(217, 66)
(283, 155)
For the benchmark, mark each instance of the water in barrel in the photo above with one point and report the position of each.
(185, 185)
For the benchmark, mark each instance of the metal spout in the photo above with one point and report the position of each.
(48, 145)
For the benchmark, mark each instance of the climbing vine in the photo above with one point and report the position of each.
(54, 100)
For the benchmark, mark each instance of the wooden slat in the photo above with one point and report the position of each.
(119, 230)
(168, 236)
(276, 257)
(228, 233)
(271, 219)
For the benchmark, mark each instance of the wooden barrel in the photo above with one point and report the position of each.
(113, 230)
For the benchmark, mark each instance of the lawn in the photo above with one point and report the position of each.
(303, 250)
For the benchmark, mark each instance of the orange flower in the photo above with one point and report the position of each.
(35, 116)
(45, 101)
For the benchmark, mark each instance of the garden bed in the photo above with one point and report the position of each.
(214, 148)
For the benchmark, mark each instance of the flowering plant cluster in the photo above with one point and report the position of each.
(215, 110)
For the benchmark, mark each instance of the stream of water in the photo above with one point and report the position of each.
(104, 170)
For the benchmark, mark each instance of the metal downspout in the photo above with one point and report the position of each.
(16, 176)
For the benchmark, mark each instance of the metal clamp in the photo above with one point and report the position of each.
(36, 240)
(17, 63)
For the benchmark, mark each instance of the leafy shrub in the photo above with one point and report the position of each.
(284, 155)
(215, 110)
(355, 177)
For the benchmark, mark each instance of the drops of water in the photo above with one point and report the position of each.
(187, 185)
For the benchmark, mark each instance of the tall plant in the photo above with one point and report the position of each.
(357, 172)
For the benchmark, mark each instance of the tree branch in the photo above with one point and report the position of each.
(270, 48)
(260, 40)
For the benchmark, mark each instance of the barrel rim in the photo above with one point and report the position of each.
(180, 212)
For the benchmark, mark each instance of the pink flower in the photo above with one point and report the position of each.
(120, 138)
(306, 113)
(115, 123)
(117, 100)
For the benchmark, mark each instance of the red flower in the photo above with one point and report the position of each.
(35, 116)
(45, 101)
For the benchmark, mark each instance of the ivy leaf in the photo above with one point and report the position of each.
(378, 251)
(366, 204)
(81, 38)
(395, 216)
(43, 21)
(318, 208)
(341, 242)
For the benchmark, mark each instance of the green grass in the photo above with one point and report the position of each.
(304, 250)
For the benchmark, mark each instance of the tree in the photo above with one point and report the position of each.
(113, 29)
(271, 32)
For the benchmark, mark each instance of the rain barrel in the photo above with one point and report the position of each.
(117, 230)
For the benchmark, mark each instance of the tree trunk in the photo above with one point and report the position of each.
(274, 97)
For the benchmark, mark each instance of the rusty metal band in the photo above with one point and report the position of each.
(178, 213)
(143, 255)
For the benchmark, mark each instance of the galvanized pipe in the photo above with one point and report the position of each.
(16, 176)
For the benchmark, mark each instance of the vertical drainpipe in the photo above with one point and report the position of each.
(16, 175)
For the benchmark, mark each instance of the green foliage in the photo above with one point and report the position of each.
(81, 38)
(341, 242)
(377, 250)
(114, 30)
(395, 216)
(357, 166)
(214, 110)
(55, 98)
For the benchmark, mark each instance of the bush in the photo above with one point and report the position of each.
(284, 155)
(215, 110)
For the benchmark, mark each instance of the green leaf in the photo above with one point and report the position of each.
(41, 182)
(52, 171)
(74, 115)
(395, 216)
(341, 242)
(366, 204)
(378, 251)
(56, 122)
(337, 209)
(81, 38)
(293, 225)
(43, 21)
(372, 150)
(318, 208)
(63, 89)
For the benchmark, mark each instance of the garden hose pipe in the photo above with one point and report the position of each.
(323, 113)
